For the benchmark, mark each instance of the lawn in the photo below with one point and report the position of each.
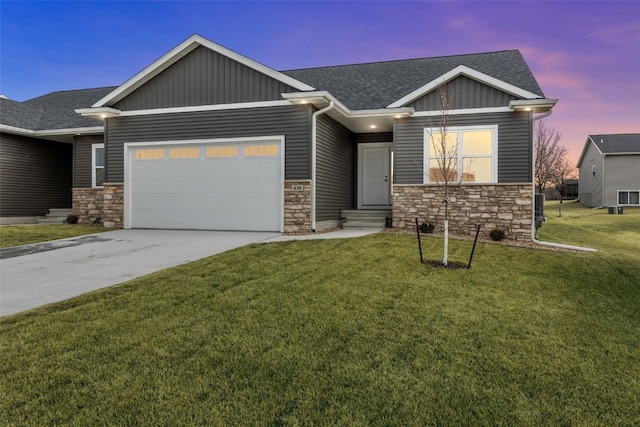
(16, 235)
(346, 332)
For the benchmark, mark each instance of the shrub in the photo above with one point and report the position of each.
(497, 234)
(427, 227)
(72, 219)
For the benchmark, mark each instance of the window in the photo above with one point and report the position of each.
(97, 165)
(628, 198)
(469, 154)
(150, 154)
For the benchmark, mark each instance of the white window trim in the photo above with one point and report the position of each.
(458, 130)
(628, 198)
(93, 164)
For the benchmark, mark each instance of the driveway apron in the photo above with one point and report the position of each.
(42, 273)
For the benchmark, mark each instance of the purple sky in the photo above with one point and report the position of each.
(585, 53)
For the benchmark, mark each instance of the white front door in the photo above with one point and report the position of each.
(374, 175)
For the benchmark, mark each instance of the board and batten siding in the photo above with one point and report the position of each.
(335, 185)
(204, 77)
(35, 175)
(82, 158)
(462, 93)
(590, 183)
(514, 144)
(291, 121)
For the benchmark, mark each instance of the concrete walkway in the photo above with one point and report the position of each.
(43, 273)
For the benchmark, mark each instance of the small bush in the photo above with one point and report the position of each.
(72, 219)
(427, 227)
(497, 234)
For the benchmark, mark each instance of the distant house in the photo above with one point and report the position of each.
(610, 170)
(568, 190)
(206, 138)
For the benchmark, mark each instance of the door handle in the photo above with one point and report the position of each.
(386, 178)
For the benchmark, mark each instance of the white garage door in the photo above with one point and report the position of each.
(216, 185)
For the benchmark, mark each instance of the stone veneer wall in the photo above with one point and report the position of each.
(297, 206)
(508, 207)
(88, 204)
(113, 210)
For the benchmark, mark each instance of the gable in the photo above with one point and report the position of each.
(204, 77)
(463, 93)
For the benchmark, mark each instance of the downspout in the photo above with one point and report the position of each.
(533, 212)
(314, 132)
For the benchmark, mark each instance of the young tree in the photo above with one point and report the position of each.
(443, 161)
(551, 157)
(564, 171)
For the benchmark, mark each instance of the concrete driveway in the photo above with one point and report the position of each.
(42, 273)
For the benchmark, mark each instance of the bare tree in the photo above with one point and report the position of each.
(564, 171)
(443, 157)
(551, 157)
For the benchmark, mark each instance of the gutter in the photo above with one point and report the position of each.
(314, 131)
(533, 212)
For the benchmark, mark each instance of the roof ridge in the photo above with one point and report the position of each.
(402, 60)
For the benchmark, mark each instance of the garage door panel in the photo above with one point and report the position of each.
(225, 193)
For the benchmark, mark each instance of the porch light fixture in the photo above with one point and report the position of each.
(100, 113)
(533, 105)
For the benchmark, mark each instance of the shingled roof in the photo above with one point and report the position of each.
(624, 143)
(52, 111)
(358, 86)
(379, 84)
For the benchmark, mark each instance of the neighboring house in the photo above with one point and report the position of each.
(205, 138)
(568, 190)
(610, 170)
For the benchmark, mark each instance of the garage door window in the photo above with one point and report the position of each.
(156, 154)
(184, 153)
(260, 150)
(222, 151)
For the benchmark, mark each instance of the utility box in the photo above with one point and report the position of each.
(539, 210)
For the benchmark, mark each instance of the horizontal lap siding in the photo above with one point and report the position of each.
(290, 121)
(514, 144)
(334, 173)
(35, 175)
(204, 77)
(82, 157)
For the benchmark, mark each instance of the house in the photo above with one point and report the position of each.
(567, 190)
(609, 168)
(205, 138)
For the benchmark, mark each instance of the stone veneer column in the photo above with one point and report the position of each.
(507, 207)
(113, 216)
(297, 206)
(88, 204)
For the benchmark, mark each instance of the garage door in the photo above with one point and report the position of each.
(216, 185)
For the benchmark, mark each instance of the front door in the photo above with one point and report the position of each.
(374, 175)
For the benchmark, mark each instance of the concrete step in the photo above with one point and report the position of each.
(364, 224)
(56, 216)
(52, 220)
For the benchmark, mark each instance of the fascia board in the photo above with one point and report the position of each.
(344, 110)
(469, 72)
(181, 51)
(51, 132)
(585, 148)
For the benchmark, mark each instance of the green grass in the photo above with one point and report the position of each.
(342, 332)
(16, 235)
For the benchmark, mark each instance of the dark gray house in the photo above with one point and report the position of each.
(205, 138)
(609, 168)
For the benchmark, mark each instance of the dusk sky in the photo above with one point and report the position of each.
(587, 54)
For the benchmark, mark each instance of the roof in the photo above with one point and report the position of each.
(623, 143)
(613, 144)
(53, 111)
(367, 86)
(380, 84)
